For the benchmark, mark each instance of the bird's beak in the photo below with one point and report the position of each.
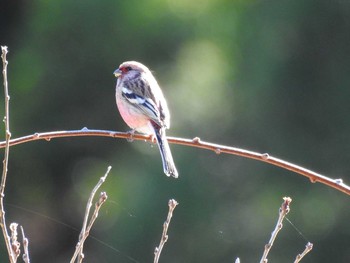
(117, 73)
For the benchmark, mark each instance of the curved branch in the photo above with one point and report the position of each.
(195, 142)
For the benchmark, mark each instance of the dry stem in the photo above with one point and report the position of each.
(25, 241)
(283, 211)
(15, 245)
(6, 157)
(87, 227)
(158, 250)
(307, 249)
(195, 142)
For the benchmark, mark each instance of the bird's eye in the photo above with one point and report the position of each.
(125, 69)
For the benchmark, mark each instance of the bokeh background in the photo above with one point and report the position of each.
(267, 76)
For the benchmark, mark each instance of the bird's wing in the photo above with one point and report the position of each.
(140, 96)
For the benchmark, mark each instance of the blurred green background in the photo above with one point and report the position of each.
(268, 76)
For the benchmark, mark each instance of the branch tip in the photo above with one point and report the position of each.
(4, 50)
(283, 210)
(102, 199)
(78, 254)
(285, 205)
(14, 240)
(158, 250)
(172, 203)
(25, 241)
(307, 249)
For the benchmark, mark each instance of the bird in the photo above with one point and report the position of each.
(142, 106)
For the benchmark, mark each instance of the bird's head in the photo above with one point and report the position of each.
(130, 69)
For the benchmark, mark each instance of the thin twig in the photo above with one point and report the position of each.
(283, 211)
(195, 142)
(158, 250)
(307, 249)
(98, 205)
(6, 157)
(86, 227)
(25, 241)
(16, 246)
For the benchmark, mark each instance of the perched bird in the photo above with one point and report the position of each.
(142, 105)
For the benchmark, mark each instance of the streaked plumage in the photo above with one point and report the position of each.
(142, 105)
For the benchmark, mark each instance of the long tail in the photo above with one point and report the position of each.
(167, 158)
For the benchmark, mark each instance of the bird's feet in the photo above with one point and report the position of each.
(131, 135)
(153, 138)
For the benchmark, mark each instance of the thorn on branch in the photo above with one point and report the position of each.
(265, 156)
(339, 181)
(313, 180)
(196, 140)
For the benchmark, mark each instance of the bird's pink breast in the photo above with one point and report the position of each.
(133, 117)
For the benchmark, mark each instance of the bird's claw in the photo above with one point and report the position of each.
(153, 138)
(131, 135)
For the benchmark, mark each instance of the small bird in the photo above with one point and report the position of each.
(142, 105)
